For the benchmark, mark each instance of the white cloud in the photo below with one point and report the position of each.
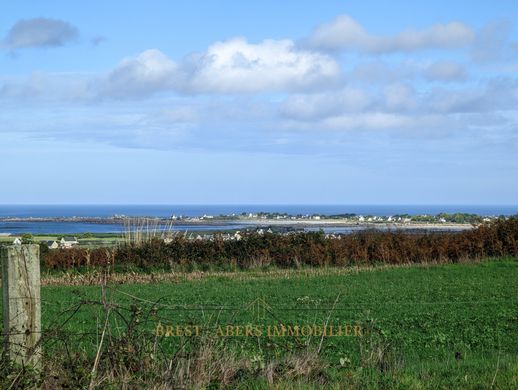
(306, 107)
(238, 66)
(149, 72)
(39, 32)
(233, 66)
(497, 95)
(401, 107)
(393, 107)
(399, 97)
(46, 87)
(181, 114)
(372, 120)
(380, 72)
(445, 71)
(346, 33)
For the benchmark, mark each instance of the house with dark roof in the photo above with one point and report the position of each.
(68, 242)
(52, 244)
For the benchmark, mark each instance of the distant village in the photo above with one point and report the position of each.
(169, 236)
(234, 236)
(265, 217)
(349, 218)
(63, 243)
(263, 223)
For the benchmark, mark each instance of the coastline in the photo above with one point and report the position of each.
(250, 222)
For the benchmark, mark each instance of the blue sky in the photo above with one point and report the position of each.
(335, 102)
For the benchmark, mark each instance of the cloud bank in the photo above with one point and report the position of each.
(279, 94)
(227, 67)
(345, 33)
(39, 32)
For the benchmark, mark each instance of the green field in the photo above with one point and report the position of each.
(442, 326)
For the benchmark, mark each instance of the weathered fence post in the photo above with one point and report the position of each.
(21, 303)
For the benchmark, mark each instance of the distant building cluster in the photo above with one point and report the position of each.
(347, 217)
(238, 235)
(64, 243)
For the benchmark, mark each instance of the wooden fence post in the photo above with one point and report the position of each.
(21, 303)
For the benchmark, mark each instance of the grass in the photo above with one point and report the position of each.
(437, 326)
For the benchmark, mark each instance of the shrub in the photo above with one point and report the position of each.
(495, 239)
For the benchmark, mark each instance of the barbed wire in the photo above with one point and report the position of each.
(61, 319)
(57, 327)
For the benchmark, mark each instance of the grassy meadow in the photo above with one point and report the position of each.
(427, 326)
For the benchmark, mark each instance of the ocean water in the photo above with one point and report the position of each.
(199, 210)
(7, 227)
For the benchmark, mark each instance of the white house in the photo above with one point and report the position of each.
(52, 244)
(17, 241)
(68, 242)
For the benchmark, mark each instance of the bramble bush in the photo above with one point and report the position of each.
(494, 239)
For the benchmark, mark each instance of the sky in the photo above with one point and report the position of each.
(264, 102)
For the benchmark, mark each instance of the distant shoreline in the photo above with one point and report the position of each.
(251, 222)
(363, 225)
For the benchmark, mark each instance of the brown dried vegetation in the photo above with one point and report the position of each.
(496, 239)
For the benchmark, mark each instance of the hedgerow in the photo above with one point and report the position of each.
(495, 239)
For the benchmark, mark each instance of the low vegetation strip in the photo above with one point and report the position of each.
(95, 277)
(441, 326)
(493, 239)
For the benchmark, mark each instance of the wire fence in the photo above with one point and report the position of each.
(116, 334)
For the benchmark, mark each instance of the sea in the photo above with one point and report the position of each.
(38, 227)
